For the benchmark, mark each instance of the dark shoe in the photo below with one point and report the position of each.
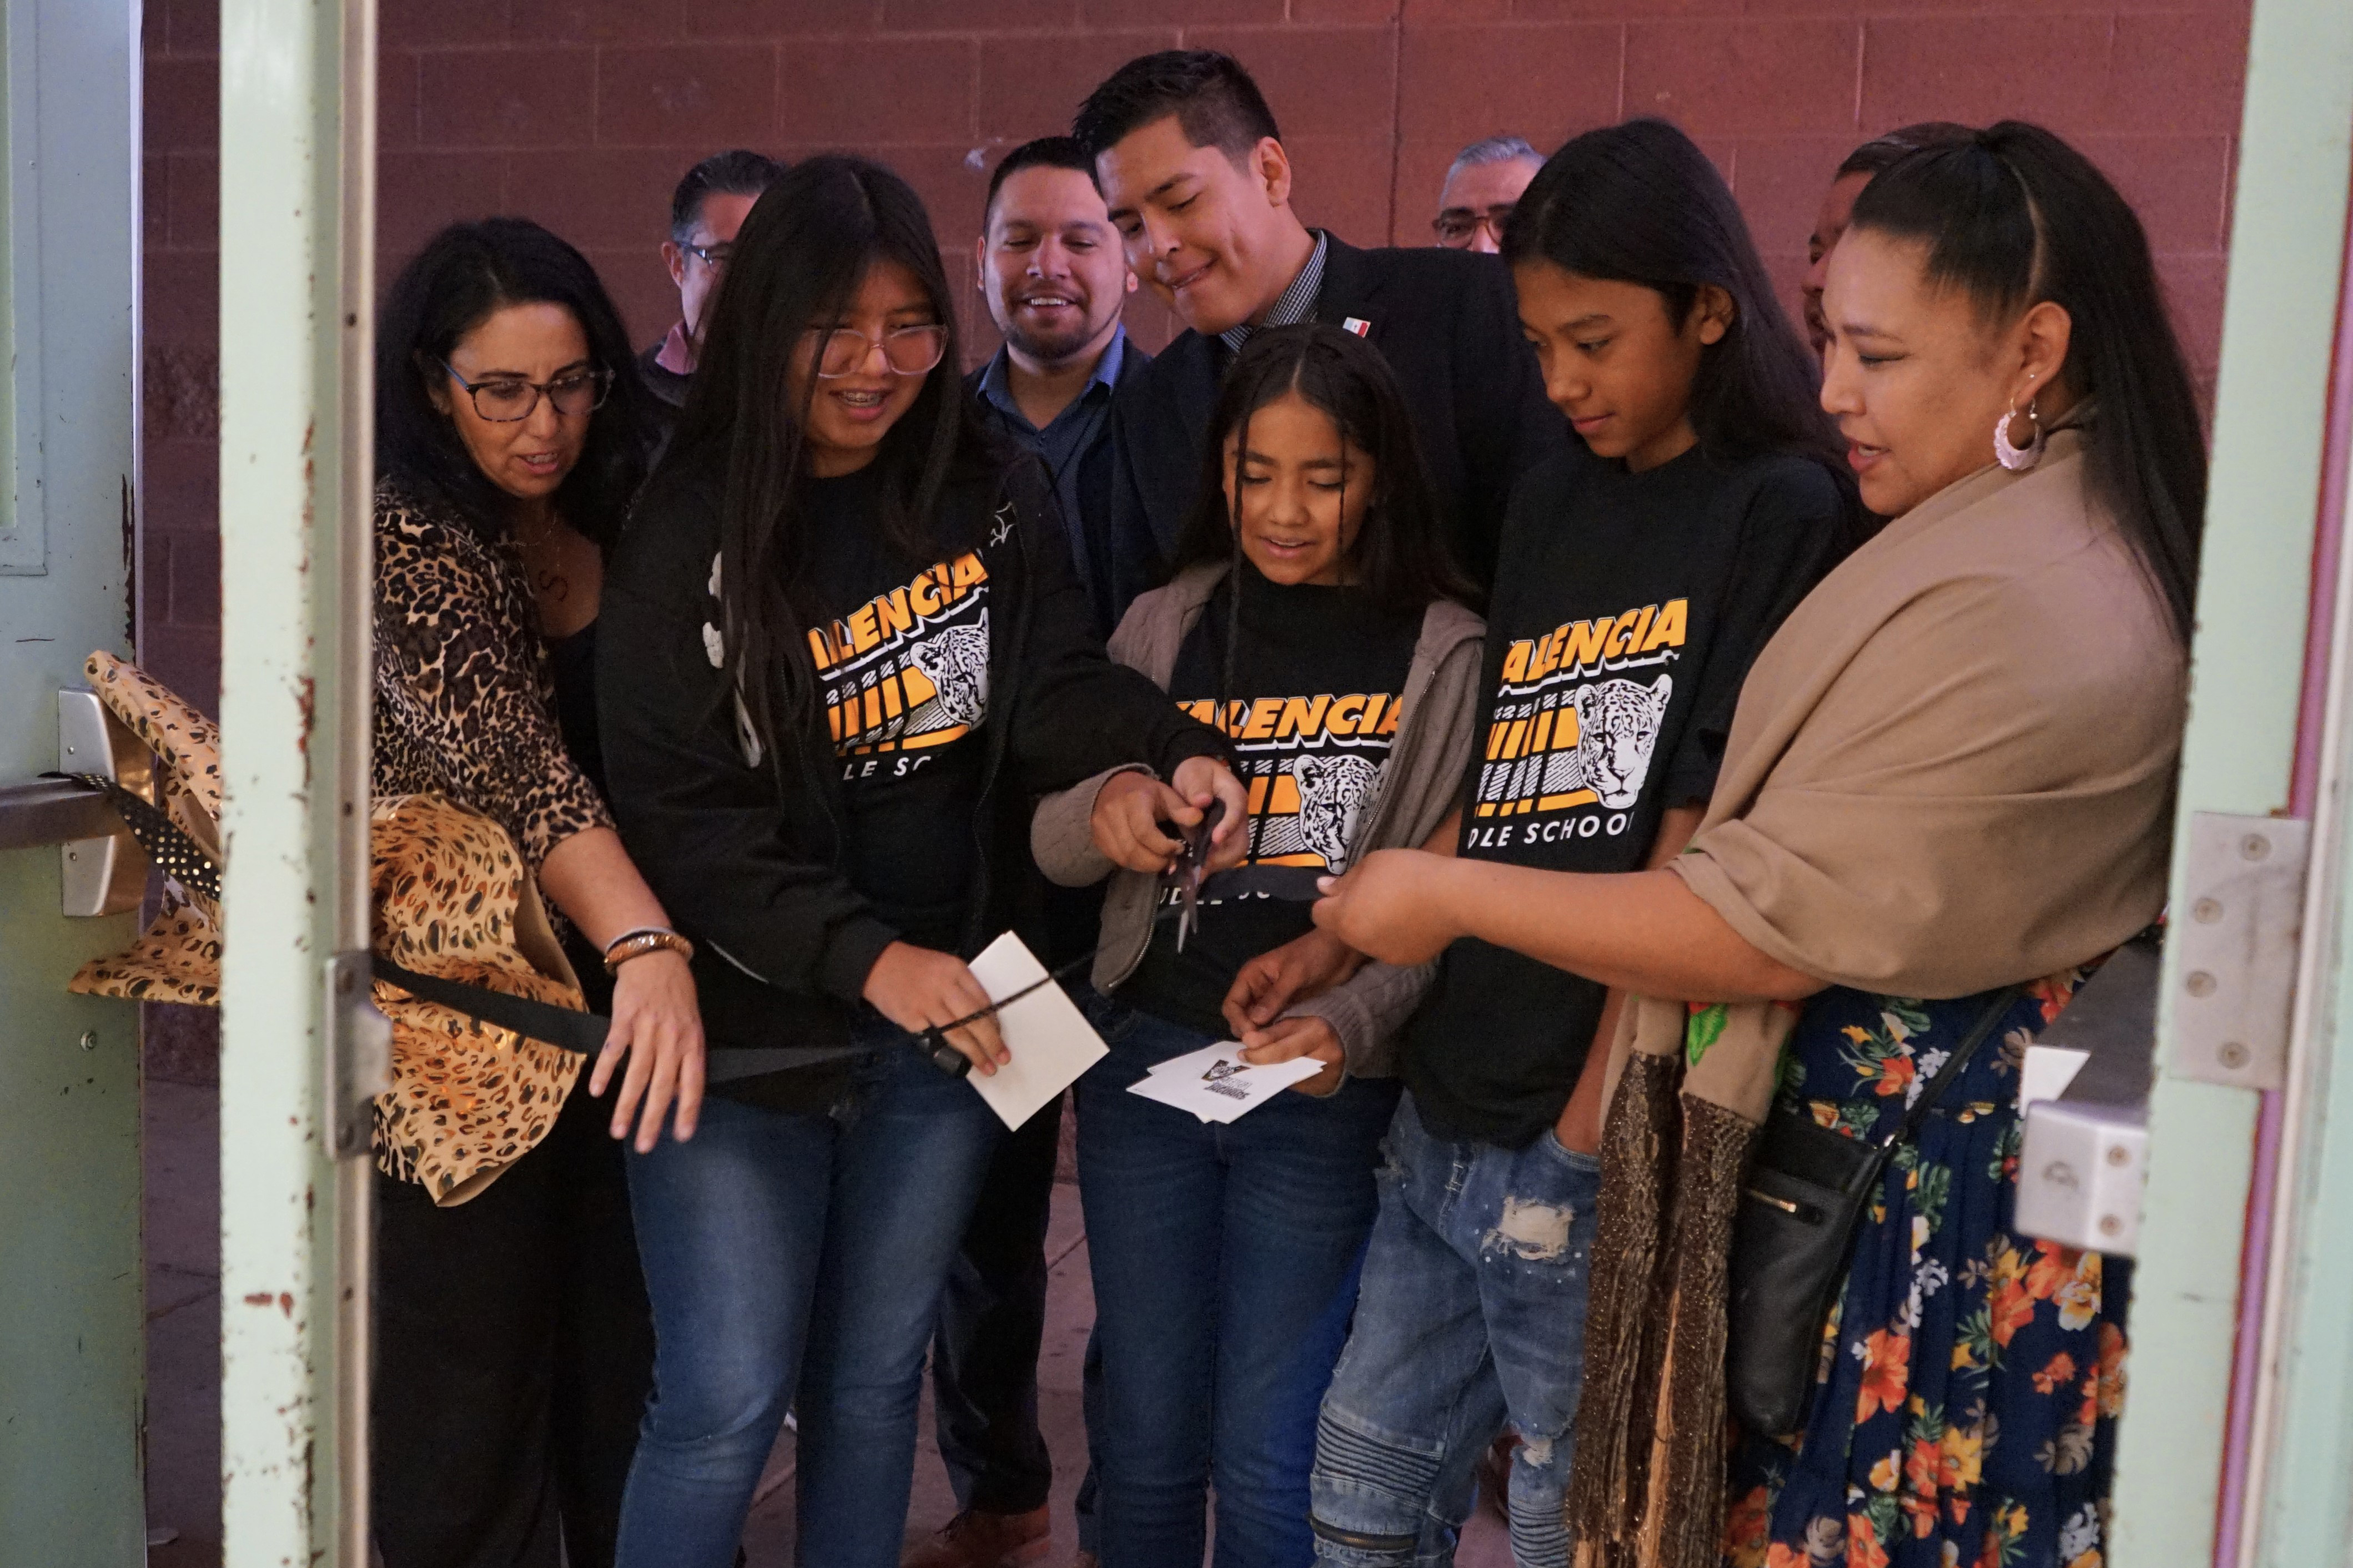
(976, 1540)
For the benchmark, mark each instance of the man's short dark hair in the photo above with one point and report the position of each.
(1045, 152)
(738, 171)
(1213, 99)
(1881, 153)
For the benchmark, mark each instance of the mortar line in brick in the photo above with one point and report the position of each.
(1397, 110)
(1622, 72)
(2109, 72)
(2222, 214)
(1862, 47)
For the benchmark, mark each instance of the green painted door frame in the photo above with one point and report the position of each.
(2298, 1492)
(297, 134)
(71, 1286)
(296, 302)
(2287, 249)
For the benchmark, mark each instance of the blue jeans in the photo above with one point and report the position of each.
(1225, 1263)
(795, 1262)
(1473, 1313)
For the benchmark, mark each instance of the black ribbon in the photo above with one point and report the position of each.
(165, 841)
(171, 846)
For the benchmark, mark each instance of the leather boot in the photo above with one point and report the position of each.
(976, 1540)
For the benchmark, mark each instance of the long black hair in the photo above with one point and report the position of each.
(2015, 217)
(1399, 556)
(797, 262)
(1399, 559)
(464, 275)
(1639, 203)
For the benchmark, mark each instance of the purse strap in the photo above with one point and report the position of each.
(1952, 1068)
(171, 846)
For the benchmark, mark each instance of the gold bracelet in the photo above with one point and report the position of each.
(637, 943)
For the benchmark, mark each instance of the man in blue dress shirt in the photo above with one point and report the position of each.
(1056, 280)
(1053, 274)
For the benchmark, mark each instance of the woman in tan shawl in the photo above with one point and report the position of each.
(1950, 773)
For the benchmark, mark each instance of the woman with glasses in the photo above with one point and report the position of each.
(514, 1346)
(844, 650)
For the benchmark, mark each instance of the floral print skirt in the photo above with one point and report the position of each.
(1964, 1414)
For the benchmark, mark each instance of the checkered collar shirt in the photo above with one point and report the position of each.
(1293, 306)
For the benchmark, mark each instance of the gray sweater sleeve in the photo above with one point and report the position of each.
(1062, 832)
(1061, 829)
(1368, 1012)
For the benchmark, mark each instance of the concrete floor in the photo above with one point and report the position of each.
(184, 1364)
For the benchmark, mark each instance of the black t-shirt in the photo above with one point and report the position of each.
(902, 670)
(1628, 608)
(572, 660)
(1311, 705)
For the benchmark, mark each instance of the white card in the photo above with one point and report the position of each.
(2047, 1072)
(1049, 1037)
(1215, 1084)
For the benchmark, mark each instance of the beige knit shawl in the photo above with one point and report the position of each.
(1951, 770)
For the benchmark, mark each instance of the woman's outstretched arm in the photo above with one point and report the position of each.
(1644, 930)
(656, 1022)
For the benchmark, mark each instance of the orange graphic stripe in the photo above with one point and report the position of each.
(888, 617)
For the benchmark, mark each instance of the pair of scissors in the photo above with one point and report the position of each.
(1184, 875)
(1183, 878)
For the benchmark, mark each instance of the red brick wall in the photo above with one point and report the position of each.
(582, 113)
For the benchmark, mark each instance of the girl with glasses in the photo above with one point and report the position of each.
(845, 651)
(513, 1344)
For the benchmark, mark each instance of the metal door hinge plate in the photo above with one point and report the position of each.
(2236, 932)
(359, 1054)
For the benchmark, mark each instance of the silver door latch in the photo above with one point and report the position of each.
(359, 1054)
(2084, 1089)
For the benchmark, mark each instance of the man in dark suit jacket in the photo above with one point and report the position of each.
(1196, 178)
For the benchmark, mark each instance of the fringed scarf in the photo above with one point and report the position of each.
(1951, 769)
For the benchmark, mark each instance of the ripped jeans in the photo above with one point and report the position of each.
(1471, 1314)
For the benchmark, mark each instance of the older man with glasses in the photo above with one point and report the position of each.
(705, 211)
(1482, 184)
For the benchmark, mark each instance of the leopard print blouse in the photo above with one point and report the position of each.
(465, 703)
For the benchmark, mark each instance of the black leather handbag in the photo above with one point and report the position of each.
(1807, 1188)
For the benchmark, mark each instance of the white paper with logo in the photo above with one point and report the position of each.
(1215, 1084)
